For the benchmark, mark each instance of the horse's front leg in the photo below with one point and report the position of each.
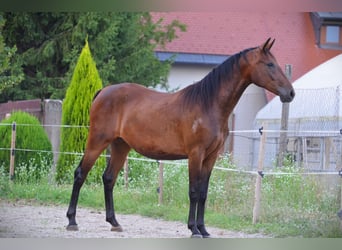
(194, 198)
(207, 167)
(201, 205)
(198, 196)
(195, 165)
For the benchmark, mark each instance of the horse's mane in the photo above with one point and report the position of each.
(205, 91)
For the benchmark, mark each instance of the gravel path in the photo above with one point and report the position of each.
(24, 220)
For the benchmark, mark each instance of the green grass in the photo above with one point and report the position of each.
(291, 206)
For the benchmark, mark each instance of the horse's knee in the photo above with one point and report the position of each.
(107, 179)
(194, 196)
(202, 197)
(78, 175)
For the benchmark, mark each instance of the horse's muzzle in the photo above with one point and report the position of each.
(287, 96)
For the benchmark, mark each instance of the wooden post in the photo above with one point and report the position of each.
(12, 153)
(339, 166)
(305, 152)
(161, 182)
(257, 194)
(340, 212)
(284, 122)
(126, 174)
(326, 152)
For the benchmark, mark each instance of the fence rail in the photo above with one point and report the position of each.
(259, 131)
(247, 131)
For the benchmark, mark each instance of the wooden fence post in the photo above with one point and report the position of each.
(161, 182)
(339, 166)
(340, 212)
(12, 153)
(284, 122)
(126, 173)
(257, 194)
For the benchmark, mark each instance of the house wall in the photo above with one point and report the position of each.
(182, 75)
(252, 100)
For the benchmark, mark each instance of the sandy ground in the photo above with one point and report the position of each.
(25, 220)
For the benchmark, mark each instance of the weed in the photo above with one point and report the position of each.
(292, 204)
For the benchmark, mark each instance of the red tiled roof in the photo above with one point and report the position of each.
(226, 33)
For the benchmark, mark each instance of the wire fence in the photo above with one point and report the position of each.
(253, 136)
(264, 138)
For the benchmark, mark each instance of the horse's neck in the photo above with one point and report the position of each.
(230, 94)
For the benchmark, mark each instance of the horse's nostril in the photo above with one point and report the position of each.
(292, 94)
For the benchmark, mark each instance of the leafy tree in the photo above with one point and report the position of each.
(48, 43)
(76, 105)
(10, 70)
(26, 161)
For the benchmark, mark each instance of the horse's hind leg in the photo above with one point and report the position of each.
(119, 151)
(80, 175)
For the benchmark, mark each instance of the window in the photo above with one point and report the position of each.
(331, 37)
(332, 34)
(328, 29)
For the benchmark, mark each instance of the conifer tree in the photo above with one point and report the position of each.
(75, 112)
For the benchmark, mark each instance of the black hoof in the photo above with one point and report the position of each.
(116, 229)
(197, 236)
(72, 228)
(204, 232)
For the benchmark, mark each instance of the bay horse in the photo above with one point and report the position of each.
(191, 123)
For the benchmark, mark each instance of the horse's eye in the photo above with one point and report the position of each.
(270, 64)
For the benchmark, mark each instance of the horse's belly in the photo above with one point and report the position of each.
(156, 142)
(162, 155)
(159, 151)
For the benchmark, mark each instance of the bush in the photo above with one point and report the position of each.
(30, 135)
(84, 84)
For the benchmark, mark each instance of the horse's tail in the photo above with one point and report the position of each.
(96, 94)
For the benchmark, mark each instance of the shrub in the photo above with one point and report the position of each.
(84, 84)
(30, 136)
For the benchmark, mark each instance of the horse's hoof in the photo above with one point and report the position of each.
(197, 236)
(116, 229)
(72, 228)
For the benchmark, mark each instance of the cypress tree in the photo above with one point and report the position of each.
(75, 112)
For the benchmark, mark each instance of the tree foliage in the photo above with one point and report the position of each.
(10, 70)
(75, 111)
(122, 44)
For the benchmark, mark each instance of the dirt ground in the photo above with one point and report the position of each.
(25, 220)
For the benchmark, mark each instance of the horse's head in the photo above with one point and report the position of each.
(265, 72)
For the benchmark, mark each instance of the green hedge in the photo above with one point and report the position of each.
(30, 135)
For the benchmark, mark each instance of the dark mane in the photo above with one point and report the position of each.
(206, 90)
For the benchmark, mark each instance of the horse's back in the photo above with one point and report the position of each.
(128, 93)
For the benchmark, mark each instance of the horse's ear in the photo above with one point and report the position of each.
(267, 45)
(270, 46)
